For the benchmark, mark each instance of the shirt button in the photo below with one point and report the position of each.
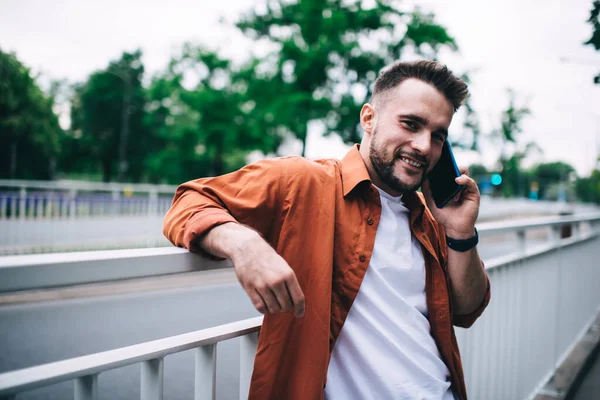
(362, 258)
(370, 221)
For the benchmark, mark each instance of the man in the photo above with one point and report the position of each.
(348, 263)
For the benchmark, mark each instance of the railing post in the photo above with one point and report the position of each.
(86, 387)
(48, 205)
(555, 234)
(3, 207)
(115, 201)
(153, 203)
(22, 199)
(521, 242)
(72, 209)
(205, 374)
(248, 345)
(576, 230)
(152, 379)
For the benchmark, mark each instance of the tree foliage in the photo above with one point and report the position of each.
(210, 126)
(594, 40)
(107, 133)
(329, 52)
(30, 136)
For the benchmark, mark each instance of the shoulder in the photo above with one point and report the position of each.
(296, 168)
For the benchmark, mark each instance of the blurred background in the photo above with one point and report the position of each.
(144, 92)
(105, 107)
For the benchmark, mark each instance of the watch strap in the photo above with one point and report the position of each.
(463, 245)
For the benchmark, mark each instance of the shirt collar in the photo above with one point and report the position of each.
(354, 172)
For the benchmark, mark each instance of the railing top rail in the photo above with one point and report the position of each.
(87, 256)
(39, 271)
(68, 185)
(30, 378)
(517, 225)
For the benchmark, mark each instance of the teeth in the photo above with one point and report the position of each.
(411, 162)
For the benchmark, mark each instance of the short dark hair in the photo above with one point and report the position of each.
(432, 72)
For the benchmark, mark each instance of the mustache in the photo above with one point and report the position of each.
(414, 156)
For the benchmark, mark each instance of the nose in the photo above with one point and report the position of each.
(422, 143)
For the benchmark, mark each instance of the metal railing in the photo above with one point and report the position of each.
(544, 296)
(39, 200)
(58, 216)
(86, 370)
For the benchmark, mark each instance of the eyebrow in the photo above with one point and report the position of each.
(422, 121)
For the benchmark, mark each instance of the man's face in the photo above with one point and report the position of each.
(406, 136)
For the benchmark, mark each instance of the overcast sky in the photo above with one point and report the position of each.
(514, 44)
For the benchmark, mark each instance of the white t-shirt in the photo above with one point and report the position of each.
(385, 349)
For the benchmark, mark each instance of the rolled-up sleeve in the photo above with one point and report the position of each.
(248, 196)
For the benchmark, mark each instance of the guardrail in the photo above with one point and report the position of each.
(37, 271)
(85, 370)
(543, 300)
(34, 200)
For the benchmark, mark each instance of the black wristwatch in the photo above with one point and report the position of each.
(463, 245)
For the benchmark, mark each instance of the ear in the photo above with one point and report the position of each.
(367, 118)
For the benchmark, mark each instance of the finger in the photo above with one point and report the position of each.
(464, 170)
(257, 301)
(468, 183)
(269, 299)
(457, 197)
(283, 297)
(297, 296)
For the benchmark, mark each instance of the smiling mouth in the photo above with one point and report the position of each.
(412, 163)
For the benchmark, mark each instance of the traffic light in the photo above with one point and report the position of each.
(496, 179)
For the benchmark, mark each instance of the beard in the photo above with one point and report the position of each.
(384, 163)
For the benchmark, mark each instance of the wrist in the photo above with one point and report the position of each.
(461, 234)
(462, 245)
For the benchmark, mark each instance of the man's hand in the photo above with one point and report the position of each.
(459, 215)
(266, 277)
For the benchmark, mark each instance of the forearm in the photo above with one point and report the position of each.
(468, 280)
(229, 240)
(266, 277)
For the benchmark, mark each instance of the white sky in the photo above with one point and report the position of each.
(509, 43)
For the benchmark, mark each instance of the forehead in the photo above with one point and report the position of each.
(414, 96)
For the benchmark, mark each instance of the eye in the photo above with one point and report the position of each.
(438, 137)
(410, 125)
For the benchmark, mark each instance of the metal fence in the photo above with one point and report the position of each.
(40, 200)
(544, 296)
(47, 217)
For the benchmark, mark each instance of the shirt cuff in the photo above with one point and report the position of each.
(199, 225)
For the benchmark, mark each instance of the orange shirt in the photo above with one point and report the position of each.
(321, 217)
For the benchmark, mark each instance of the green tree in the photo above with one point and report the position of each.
(328, 54)
(594, 40)
(30, 135)
(554, 174)
(107, 132)
(514, 180)
(210, 126)
(588, 188)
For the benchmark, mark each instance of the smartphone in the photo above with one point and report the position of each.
(442, 176)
